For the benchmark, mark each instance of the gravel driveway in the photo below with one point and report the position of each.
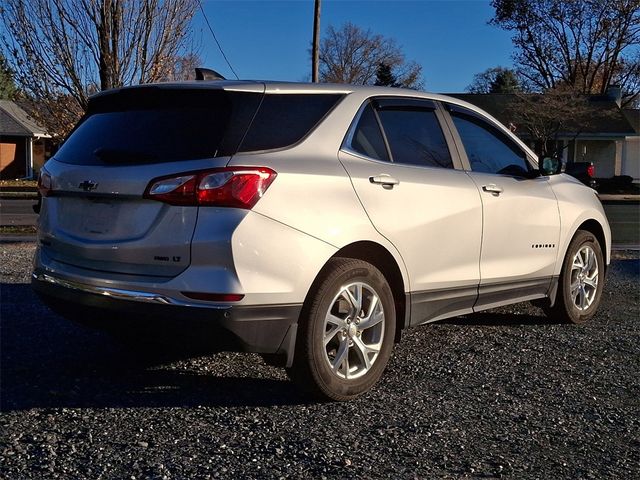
(500, 394)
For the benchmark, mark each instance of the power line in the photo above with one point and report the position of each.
(216, 39)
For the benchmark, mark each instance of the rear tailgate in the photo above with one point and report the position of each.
(113, 228)
(95, 215)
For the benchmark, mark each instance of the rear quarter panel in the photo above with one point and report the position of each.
(313, 194)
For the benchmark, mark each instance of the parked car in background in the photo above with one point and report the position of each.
(583, 171)
(310, 223)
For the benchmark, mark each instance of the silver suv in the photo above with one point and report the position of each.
(308, 223)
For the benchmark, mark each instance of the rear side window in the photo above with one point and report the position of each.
(154, 125)
(488, 149)
(415, 137)
(285, 119)
(367, 137)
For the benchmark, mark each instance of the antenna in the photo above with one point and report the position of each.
(208, 74)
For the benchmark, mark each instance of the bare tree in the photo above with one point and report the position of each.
(352, 55)
(559, 112)
(183, 68)
(61, 51)
(587, 45)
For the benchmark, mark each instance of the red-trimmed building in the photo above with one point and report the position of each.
(23, 143)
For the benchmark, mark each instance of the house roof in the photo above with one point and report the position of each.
(602, 116)
(633, 117)
(16, 122)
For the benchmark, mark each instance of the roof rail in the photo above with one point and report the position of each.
(208, 74)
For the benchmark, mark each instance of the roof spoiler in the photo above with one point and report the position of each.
(208, 74)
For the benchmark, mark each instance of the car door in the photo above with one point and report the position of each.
(521, 220)
(400, 163)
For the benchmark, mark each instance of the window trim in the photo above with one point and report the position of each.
(384, 134)
(402, 103)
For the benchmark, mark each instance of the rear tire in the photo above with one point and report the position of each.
(581, 281)
(347, 330)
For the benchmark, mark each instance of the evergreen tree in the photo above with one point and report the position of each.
(497, 80)
(385, 77)
(7, 86)
(505, 81)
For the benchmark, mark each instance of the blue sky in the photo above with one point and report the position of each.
(269, 39)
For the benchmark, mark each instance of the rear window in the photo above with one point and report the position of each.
(154, 125)
(285, 119)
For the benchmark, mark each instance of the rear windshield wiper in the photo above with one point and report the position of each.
(114, 155)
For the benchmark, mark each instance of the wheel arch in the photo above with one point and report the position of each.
(594, 227)
(383, 260)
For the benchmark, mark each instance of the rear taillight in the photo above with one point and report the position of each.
(591, 170)
(239, 187)
(44, 183)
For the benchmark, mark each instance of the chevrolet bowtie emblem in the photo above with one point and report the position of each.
(88, 185)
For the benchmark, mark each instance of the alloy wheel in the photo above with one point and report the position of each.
(584, 278)
(354, 330)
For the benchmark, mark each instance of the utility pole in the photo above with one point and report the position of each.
(316, 42)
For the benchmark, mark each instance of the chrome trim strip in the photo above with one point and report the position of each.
(120, 294)
(94, 195)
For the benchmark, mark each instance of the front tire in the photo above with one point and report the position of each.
(347, 331)
(581, 280)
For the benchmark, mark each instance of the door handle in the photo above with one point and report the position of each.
(384, 180)
(492, 188)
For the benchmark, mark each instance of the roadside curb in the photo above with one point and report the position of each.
(623, 246)
(18, 195)
(618, 198)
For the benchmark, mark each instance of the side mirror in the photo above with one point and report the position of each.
(550, 166)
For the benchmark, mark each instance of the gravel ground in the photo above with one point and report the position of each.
(500, 394)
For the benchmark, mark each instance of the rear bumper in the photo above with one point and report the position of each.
(267, 329)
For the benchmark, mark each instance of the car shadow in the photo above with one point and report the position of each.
(48, 362)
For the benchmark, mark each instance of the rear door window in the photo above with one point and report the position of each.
(154, 125)
(415, 137)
